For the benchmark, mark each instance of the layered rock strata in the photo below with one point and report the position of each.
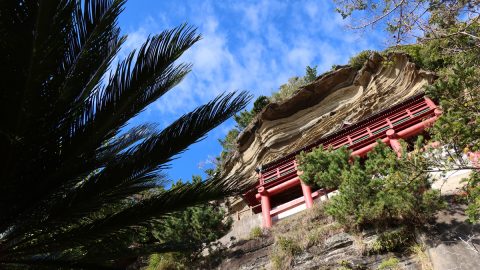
(322, 107)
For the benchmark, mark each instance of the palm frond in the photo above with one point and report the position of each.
(142, 212)
(73, 180)
(134, 85)
(133, 171)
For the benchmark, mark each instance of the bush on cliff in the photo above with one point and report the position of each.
(358, 60)
(323, 167)
(448, 42)
(380, 191)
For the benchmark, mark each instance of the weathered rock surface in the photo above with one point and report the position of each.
(248, 254)
(338, 249)
(338, 241)
(452, 242)
(322, 107)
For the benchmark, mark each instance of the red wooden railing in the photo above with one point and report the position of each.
(355, 137)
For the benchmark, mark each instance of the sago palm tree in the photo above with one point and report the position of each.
(72, 178)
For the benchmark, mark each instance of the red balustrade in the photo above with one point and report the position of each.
(359, 136)
(402, 121)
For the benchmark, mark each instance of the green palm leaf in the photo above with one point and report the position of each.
(73, 183)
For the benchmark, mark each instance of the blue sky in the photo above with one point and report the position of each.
(246, 45)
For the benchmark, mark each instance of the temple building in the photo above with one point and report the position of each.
(343, 107)
(279, 191)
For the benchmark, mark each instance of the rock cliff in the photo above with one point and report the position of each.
(322, 107)
(310, 240)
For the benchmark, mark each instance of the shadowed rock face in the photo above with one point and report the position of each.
(322, 107)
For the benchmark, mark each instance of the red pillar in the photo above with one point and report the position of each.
(265, 201)
(394, 143)
(474, 158)
(306, 190)
(307, 194)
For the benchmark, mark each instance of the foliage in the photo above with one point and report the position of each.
(287, 245)
(277, 262)
(80, 188)
(323, 167)
(419, 19)
(459, 96)
(229, 143)
(256, 232)
(260, 103)
(245, 117)
(309, 228)
(378, 191)
(310, 74)
(358, 60)
(396, 240)
(448, 42)
(421, 256)
(167, 261)
(452, 49)
(389, 264)
(284, 250)
(195, 226)
(426, 56)
(473, 197)
(288, 89)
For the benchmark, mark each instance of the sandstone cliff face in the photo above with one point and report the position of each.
(317, 109)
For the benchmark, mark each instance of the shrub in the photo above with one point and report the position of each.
(396, 240)
(378, 191)
(167, 261)
(358, 60)
(389, 264)
(426, 56)
(288, 245)
(288, 89)
(256, 232)
(284, 250)
(294, 83)
(473, 197)
(319, 234)
(323, 167)
(277, 262)
(260, 103)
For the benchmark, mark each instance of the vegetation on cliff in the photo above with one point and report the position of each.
(196, 227)
(447, 41)
(244, 118)
(379, 192)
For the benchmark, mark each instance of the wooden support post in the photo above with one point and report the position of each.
(394, 143)
(266, 208)
(307, 194)
(306, 190)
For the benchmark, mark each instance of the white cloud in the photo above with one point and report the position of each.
(252, 46)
